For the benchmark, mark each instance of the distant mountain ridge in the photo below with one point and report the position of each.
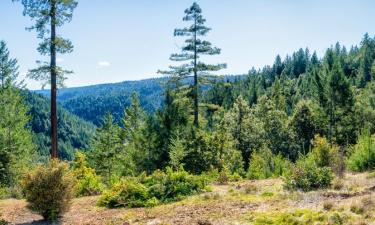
(92, 102)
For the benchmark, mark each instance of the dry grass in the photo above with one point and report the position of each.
(235, 203)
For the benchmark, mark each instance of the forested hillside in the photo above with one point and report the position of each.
(92, 102)
(74, 133)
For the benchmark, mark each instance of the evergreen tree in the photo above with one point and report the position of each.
(304, 125)
(107, 155)
(246, 129)
(278, 66)
(367, 57)
(48, 15)
(222, 145)
(8, 67)
(342, 124)
(191, 52)
(136, 138)
(177, 152)
(16, 147)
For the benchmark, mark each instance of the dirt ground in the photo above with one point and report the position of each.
(235, 203)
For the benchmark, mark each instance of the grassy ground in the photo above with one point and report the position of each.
(350, 201)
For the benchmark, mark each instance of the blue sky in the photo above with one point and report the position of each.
(117, 40)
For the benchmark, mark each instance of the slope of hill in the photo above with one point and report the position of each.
(74, 133)
(92, 102)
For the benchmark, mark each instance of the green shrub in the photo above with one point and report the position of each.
(11, 192)
(152, 190)
(174, 185)
(88, 183)
(4, 193)
(126, 193)
(49, 189)
(264, 164)
(235, 177)
(362, 156)
(211, 175)
(326, 155)
(306, 176)
(223, 176)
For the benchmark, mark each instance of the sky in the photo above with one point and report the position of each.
(118, 40)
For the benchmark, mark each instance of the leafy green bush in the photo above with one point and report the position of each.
(326, 155)
(126, 193)
(88, 183)
(323, 153)
(223, 176)
(264, 164)
(49, 189)
(173, 185)
(362, 156)
(152, 190)
(306, 175)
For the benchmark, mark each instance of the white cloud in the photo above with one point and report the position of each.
(102, 64)
(59, 60)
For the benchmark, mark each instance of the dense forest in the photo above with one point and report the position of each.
(306, 118)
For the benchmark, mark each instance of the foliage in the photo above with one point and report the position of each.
(303, 123)
(152, 190)
(177, 152)
(73, 132)
(87, 182)
(173, 185)
(327, 155)
(306, 175)
(362, 156)
(107, 156)
(264, 164)
(49, 189)
(16, 147)
(126, 193)
(192, 52)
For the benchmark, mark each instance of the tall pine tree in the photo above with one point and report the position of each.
(49, 15)
(191, 53)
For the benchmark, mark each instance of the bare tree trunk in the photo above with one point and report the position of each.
(54, 149)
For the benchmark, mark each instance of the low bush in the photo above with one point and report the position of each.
(264, 164)
(11, 192)
(126, 193)
(160, 187)
(326, 155)
(307, 176)
(49, 189)
(4, 192)
(223, 176)
(88, 183)
(174, 185)
(362, 155)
